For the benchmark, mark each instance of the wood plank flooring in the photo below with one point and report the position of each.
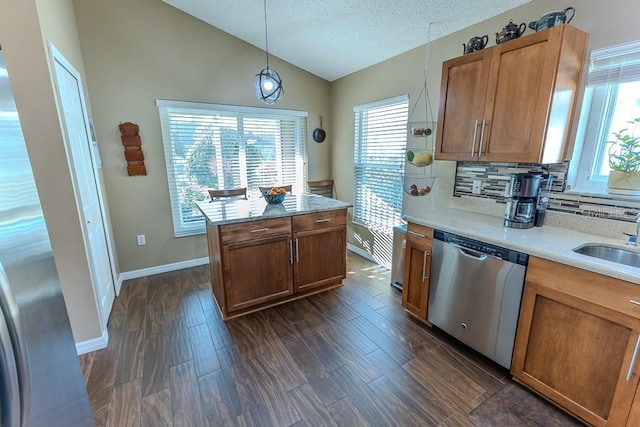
(347, 357)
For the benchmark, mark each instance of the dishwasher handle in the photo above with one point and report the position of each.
(471, 253)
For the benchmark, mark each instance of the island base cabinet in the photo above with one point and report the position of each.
(417, 270)
(257, 271)
(261, 263)
(316, 266)
(571, 349)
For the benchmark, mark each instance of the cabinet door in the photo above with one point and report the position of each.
(577, 353)
(417, 270)
(320, 257)
(512, 102)
(519, 95)
(257, 271)
(462, 99)
(634, 416)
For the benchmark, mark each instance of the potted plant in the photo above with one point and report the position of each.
(624, 160)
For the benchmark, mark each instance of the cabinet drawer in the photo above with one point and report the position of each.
(415, 231)
(615, 294)
(319, 220)
(254, 229)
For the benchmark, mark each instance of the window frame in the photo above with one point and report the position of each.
(366, 213)
(609, 67)
(296, 135)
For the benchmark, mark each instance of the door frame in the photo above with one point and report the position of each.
(56, 56)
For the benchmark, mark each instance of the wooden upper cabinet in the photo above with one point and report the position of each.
(463, 93)
(512, 102)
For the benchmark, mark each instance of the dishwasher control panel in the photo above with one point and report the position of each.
(482, 247)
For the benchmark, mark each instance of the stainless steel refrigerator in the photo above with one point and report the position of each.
(41, 381)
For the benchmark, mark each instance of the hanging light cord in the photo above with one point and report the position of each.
(266, 33)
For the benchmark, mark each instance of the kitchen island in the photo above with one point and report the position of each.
(261, 255)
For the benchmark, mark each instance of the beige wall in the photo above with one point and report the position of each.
(137, 52)
(25, 27)
(606, 23)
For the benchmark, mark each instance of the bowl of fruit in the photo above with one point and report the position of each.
(418, 185)
(274, 196)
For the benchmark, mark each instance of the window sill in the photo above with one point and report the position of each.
(604, 194)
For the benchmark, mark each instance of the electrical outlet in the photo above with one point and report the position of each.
(477, 187)
(141, 240)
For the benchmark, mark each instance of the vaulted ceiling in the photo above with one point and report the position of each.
(334, 38)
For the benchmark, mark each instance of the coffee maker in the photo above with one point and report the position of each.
(523, 198)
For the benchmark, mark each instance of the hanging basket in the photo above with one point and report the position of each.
(418, 185)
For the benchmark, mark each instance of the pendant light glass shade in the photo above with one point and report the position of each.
(268, 86)
(268, 82)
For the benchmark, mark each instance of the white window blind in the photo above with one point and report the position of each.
(380, 143)
(615, 64)
(210, 146)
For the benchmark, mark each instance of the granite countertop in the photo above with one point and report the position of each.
(552, 243)
(232, 211)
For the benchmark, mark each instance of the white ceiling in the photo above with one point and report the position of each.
(334, 38)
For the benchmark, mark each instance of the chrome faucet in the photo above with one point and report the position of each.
(633, 238)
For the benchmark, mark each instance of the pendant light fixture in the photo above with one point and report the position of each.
(268, 82)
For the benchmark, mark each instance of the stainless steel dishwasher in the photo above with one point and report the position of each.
(475, 293)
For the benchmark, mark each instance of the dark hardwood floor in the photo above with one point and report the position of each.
(347, 357)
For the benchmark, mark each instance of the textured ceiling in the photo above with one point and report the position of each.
(334, 38)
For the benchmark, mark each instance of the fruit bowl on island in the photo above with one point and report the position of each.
(418, 185)
(274, 196)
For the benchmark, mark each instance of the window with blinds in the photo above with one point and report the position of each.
(611, 100)
(210, 146)
(380, 143)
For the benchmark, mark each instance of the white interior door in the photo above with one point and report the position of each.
(82, 162)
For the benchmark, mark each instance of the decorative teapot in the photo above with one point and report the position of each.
(552, 19)
(510, 31)
(475, 43)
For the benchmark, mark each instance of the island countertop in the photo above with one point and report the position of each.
(231, 211)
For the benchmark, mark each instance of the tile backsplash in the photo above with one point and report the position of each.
(494, 179)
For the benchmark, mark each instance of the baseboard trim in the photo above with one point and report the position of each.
(361, 252)
(143, 272)
(93, 344)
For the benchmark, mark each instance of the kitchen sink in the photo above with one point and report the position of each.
(610, 253)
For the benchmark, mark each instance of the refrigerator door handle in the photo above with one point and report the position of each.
(9, 387)
(17, 362)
